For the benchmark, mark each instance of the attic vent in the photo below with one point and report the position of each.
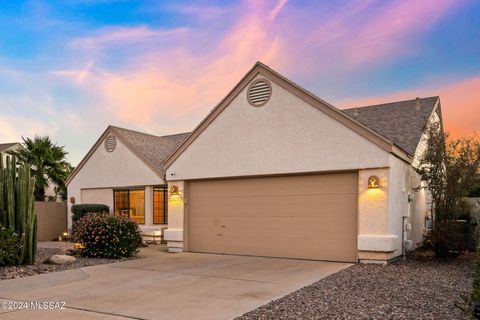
(259, 92)
(110, 143)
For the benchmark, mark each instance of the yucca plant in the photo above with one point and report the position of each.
(17, 207)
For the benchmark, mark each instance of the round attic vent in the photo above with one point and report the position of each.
(110, 143)
(259, 92)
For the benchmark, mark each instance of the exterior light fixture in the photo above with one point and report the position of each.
(373, 182)
(65, 236)
(174, 192)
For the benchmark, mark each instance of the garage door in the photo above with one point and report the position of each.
(308, 217)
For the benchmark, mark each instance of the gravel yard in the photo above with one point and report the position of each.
(39, 267)
(418, 288)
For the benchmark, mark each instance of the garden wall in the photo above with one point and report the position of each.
(52, 219)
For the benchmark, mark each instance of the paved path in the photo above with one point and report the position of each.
(165, 286)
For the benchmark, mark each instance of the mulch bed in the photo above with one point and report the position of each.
(40, 267)
(419, 288)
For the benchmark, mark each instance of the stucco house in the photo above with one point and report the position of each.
(6, 147)
(274, 171)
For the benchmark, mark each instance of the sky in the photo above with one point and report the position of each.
(70, 68)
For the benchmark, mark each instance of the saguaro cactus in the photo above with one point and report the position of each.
(17, 207)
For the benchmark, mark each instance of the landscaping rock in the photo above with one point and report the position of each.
(71, 252)
(62, 259)
(420, 288)
(42, 264)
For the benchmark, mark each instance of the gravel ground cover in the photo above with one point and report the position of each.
(40, 267)
(418, 288)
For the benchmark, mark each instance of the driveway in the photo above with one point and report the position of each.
(165, 286)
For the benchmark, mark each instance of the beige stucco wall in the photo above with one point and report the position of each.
(422, 145)
(386, 216)
(175, 234)
(100, 195)
(287, 135)
(107, 170)
(398, 199)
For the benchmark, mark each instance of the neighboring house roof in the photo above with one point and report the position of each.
(6, 146)
(259, 68)
(152, 150)
(401, 122)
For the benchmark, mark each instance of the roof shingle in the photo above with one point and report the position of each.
(5, 146)
(400, 122)
(154, 149)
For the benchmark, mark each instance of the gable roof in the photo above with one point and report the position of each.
(6, 146)
(151, 149)
(154, 149)
(401, 122)
(342, 117)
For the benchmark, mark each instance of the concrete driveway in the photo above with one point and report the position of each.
(165, 286)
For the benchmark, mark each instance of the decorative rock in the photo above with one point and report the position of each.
(62, 259)
(71, 252)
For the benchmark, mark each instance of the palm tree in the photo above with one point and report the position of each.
(48, 162)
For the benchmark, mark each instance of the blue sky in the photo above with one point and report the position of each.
(70, 68)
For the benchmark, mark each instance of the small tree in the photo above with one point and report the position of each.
(47, 161)
(449, 166)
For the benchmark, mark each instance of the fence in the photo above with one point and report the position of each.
(52, 219)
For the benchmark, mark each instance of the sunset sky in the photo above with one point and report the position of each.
(70, 68)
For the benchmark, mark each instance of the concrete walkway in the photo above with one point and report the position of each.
(165, 286)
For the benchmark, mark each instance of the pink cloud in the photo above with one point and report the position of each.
(460, 103)
(175, 82)
(182, 73)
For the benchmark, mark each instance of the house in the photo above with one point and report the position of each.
(6, 147)
(274, 171)
(124, 170)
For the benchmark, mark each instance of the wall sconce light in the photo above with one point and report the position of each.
(72, 200)
(174, 192)
(373, 182)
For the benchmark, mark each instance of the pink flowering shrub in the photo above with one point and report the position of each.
(108, 236)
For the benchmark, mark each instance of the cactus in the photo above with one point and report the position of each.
(17, 207)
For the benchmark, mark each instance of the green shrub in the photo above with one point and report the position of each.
(108, 236)
(81, 210)
(9, 247)
(449, 238)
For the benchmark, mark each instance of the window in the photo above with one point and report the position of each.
(160, 205)
(130, 204)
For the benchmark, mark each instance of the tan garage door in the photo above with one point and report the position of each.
(309, 217)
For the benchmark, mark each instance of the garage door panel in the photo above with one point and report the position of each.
(279, 247)
(279, 226)
(310, 217)
(335, 204)
(319, 184)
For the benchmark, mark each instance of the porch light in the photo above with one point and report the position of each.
(174, 192)
(65, 237)
(373, 182)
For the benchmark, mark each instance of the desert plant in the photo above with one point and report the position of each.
(108, 236)
(9, 247)
(81, 210)
(17, 207)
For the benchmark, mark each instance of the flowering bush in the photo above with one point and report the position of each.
(9, 247)
(108, 236)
